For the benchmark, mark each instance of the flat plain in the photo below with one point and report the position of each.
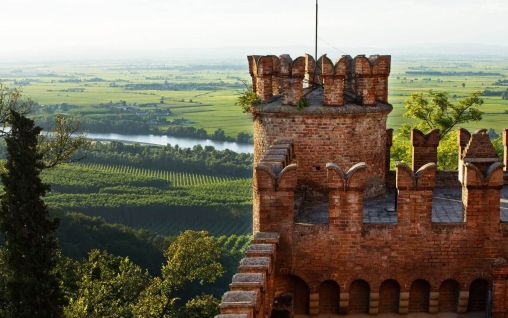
(204, 96)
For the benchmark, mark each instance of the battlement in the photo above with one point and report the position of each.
(360, 80)
(418, 240)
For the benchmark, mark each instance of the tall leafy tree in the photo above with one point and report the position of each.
(30, 285)
(194, 257)
(435, 110)
(107, 287)
(30, 242)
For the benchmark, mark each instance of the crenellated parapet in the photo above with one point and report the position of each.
(334, 79)
(346, 195)
(275, 180)
(414, 199)
(312, 71)
(362, 80)
(252, 288)
(481, 194)
(478, 150)
(337, 232)
(370, 78)
(424, 147)
(292, 75)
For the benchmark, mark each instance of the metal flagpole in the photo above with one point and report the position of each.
(315, 47)
(315, 51)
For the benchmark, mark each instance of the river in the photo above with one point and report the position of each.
(180, 141)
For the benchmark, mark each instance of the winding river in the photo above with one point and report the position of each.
(180, 141)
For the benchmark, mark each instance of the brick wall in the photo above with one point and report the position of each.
(406, 252)
(344, 138)
(424, 147)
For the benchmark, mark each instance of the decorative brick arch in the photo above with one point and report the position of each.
(300, 291)
(449, 295)
(389, 296)
(478, 295)
(359, 296)
(329, 297)
(419, 296)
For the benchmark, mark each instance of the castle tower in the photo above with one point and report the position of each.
(343, 121)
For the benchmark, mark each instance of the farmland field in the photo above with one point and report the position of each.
(164, 202)
(160, 96)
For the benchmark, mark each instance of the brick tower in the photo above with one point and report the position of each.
(336, 232)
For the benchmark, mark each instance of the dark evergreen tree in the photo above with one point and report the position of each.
(30, 244)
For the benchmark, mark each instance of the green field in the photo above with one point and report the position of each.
(89, 88)
(165, 202)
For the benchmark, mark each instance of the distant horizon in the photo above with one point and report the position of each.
(57, 30)
(237, 55)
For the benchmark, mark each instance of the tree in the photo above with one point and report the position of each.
(31, 247)
(32, 288)
(107, 287)
(200, 307)
(4, 302)
(194, 257)
(434, 110)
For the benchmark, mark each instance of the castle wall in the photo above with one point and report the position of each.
(340, 146)
(346, 250)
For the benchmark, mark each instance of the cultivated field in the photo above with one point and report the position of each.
(161, 96)
(165, 202)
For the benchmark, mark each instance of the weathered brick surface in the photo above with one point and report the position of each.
(344, 138)
(334, 78)
(424, 147)
(478, 150)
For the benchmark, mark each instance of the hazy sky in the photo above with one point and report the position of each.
(102, 27)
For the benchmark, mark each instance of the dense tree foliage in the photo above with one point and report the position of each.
(31, 248)
(78, 234)
(434, 110)
(205, 160)
(200, 133)
(107, 286)
(193, 257)
(111, 286)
